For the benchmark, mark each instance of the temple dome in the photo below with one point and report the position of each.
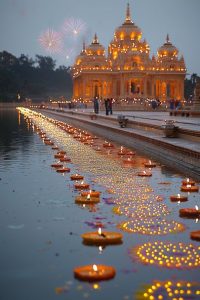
(95, 48)
(168, 49)
(128, 29)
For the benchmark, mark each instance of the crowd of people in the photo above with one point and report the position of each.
(108, 102)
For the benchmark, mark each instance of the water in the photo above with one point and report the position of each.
(40, 224)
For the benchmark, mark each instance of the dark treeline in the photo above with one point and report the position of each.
(39, 79)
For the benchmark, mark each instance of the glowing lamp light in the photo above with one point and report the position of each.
(94, 267)
(99, 231)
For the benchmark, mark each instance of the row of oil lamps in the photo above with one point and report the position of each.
(101, 272)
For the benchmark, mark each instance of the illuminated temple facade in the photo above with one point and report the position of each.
(128, 71)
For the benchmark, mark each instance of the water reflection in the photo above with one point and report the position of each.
(41, 226)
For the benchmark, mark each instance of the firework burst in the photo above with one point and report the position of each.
(51, 41)
(75, 27)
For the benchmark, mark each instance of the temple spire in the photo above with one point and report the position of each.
(128, 14)
(167, 39)
(83, 50)
(95, 39)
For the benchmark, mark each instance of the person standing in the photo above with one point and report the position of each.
(106, 102)
(96, 105)
(110, 103)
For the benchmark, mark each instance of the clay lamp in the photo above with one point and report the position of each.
(49, 143)
(144, 174)
(62, 152)
(102, 238)
(189, 188)
(63, 170)
(193, 213)
(82, 186)
(122, 151)
(55, 148)
(95, 194)
(58, 155)
(65, 159)
(178, 198)
(76, 177)
(57, 165)
(195, 235)
(129, 161)
(188, 181)
(94, 272)
(150, 164)
(108, 145)
(130, 153)
(86, 200)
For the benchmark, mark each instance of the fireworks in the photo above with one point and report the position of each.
(51, 41)
(75, 27)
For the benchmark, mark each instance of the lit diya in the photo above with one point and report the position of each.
(108, 145)
(76, 177)
(189, 188)
(122, 151)
(129, 161)
(49, 143)
(144, 174)
(63, 170)
(178, 198)
(86, 200)
(59, 155)
(82, 186)
(149, 164)
(195, 235)
(193, 213)
(188, 181)
(65, 159)
(130, 153)
(92, 193)
(94, 272)
(55, 148)
(102, 238)
(56, 165)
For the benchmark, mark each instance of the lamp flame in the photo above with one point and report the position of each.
(196, 207)
(178, 196)
(99, 231)
(94, 267)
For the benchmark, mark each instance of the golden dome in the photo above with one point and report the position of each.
(167, 49)
(128, 30)
(95, 48)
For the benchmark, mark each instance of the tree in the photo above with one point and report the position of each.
(45, 63)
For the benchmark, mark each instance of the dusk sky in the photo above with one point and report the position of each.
(24, 22)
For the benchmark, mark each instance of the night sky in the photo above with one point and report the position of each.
(24, 22)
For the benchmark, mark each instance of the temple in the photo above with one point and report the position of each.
(128, 71)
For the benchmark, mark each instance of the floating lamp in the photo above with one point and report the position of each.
(92, 193)
(63, 170)
(65, 159)
(102, 238)
(190, 212)
(56, 165)
(86, 200)
(150, 164)
(108, 145)
(189, 188)
(76, 177)
(82, 186)
(195, 235)
(178, 198)
(94, 272)
(144, 174)
(122, 151)
(188, 181)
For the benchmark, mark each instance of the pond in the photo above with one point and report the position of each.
(41, 224)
